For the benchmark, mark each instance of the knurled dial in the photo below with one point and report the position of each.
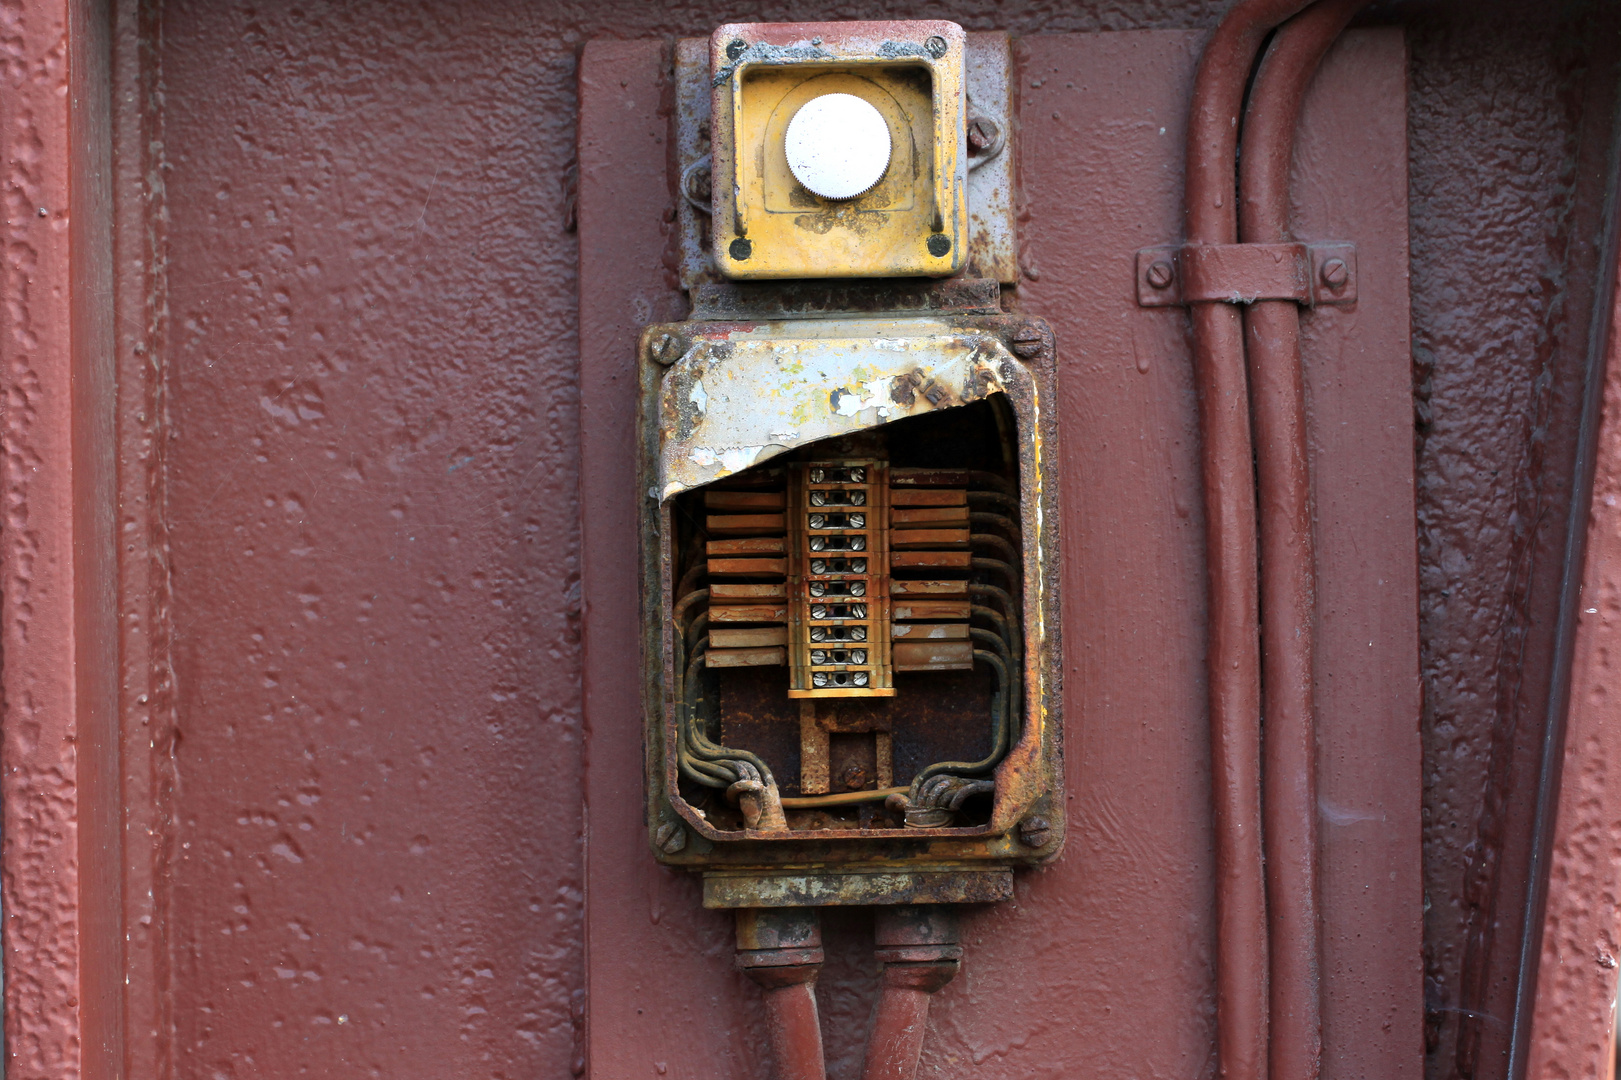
(838, 146)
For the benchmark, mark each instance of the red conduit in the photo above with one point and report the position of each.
(1229, 495)
(919, 948)
(781, 950)
(896, 1042)
(791, 1021)
(1287, 576)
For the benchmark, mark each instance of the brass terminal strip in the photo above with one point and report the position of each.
(838, 583)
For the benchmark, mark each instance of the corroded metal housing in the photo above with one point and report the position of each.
(936, 418)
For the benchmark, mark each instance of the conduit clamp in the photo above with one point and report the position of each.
(1175, 275)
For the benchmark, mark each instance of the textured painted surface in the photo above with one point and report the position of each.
(1504, 211)
(397, 188)
(372, 470)
(1574, 1025)
(1119, 929)
(40, 754)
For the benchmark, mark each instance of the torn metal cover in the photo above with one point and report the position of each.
(736, 401)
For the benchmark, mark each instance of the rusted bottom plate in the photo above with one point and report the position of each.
(754, 890)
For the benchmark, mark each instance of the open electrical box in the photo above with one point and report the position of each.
(849, 508)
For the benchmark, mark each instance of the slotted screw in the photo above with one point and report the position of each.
(1028, 342)
(666, 348)
(1035, 831)
(982, 134)
(670, 838)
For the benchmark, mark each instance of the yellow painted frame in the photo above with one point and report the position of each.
(873, 235)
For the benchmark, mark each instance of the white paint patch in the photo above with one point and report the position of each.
(700, 400)
(880, 396)
(739, 458)
(846, 403)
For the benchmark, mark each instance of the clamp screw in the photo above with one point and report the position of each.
(936, 46)
(1160, 274)
(982, 134)
(1335, 273)
(1035, 832)
(700, 184)
(1028, 343)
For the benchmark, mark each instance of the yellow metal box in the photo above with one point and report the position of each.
(912, 222)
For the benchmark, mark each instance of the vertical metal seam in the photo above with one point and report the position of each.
(1551, 765)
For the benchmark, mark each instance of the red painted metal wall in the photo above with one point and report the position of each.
(367, 331)
(373, 529)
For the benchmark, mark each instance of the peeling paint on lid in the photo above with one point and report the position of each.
(742, 399)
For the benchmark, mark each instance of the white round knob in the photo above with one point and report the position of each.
(838, 146)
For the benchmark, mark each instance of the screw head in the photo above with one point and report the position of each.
(982, 134)
(1035, 831)
(935, 46)
(666, 348)
(939, 245)
(1160, 274)
(1335, 273)
(700, 184)
(670, 838)
(1028, 342)
(740, 249)
(735, 48)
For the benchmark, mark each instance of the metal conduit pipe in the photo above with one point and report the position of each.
(780, 949)
(919, 948)
(1229, 500)
(1287, 563)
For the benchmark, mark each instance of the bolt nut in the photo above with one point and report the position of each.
(1035, 832)
(1335, 273)
(670, 838)
(666, 348)
(1028, 342)
(982, 134)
